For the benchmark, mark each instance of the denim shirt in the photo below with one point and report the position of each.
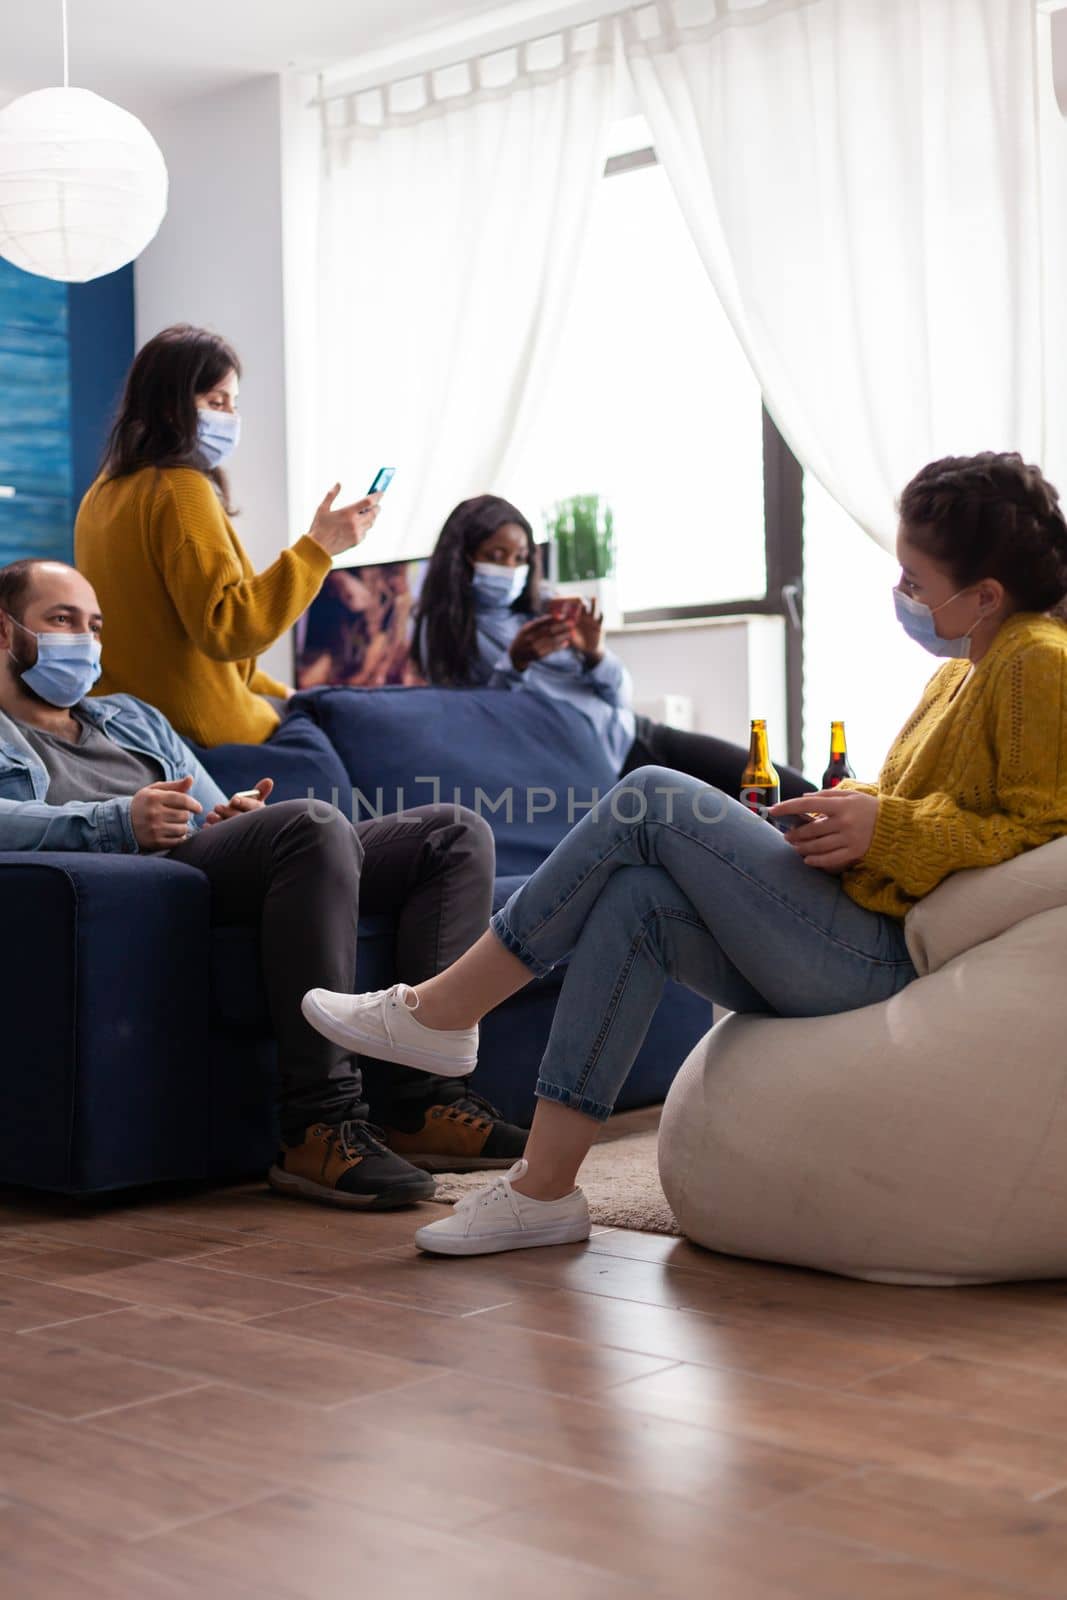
(27, 822)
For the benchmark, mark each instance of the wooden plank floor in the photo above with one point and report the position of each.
(225, 1394)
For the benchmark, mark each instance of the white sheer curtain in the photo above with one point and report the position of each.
(863, 180)
(453, 213)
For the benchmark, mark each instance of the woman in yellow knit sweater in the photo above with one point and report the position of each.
(187, 614)
(668, 877)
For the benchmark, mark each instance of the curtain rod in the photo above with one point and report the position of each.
(507, 37)
(459, 55)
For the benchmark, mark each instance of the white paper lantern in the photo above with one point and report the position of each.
(83, 185)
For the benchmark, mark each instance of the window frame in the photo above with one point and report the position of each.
(783, 535)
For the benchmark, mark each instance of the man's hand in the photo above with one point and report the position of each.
(161, 813)
(541, 637)
(842, 833)
(238, 804)
(588, 633)
(340, 530)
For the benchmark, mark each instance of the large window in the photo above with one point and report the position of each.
(654, 405)
(655, 408)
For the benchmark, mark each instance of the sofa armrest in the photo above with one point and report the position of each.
(104, 983)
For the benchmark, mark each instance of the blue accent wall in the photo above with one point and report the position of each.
(101, 334)
(64, 351)
(34, 416)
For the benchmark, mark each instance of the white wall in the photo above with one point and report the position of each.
(301, 166)
(733, 669)
(218, 261)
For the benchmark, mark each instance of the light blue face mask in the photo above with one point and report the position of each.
(67, 666)
(496, 587)
(918, 623)
(218, 434)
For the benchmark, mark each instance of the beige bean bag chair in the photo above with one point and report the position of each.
(922, 1140)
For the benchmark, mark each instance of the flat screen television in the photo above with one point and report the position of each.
(357, 631)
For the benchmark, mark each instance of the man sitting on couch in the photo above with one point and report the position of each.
(111, 774)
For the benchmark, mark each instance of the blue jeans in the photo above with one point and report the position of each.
(667, 877)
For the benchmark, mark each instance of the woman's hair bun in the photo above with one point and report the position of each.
(991, 515)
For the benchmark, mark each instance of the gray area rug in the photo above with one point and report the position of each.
(621, 1182)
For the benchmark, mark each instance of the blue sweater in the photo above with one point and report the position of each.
(602, 694)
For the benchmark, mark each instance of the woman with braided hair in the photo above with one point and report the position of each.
(670, 877)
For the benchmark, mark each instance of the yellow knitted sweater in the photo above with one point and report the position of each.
(977, 774)
(185, 613)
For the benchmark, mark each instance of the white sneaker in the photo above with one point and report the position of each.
(496, 1218)
(383, 1024)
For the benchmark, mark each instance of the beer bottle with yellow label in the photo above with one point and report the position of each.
(759, 782)
(839, 765)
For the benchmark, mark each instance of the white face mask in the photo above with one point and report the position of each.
(218, 434)
(498, 586)
(67, 666)
(918, 623)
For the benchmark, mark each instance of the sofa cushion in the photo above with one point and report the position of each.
(971, 907)
(528, 765)
(299, 757)
(504, 888)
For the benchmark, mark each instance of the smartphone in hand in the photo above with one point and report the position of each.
(565, 608)
(785, 824)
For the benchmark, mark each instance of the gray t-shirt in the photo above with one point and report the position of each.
(96, 768)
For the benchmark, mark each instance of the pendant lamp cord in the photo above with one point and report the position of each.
(66, 48)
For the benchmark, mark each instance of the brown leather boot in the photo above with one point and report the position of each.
(348, 1165)
(464, 1135)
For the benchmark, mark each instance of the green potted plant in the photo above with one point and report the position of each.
(582, 532)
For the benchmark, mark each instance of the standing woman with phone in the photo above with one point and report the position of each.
(187, 613)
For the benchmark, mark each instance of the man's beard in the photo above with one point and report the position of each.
(16, 667)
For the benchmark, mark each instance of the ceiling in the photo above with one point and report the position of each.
(148, 54)
(151, 53)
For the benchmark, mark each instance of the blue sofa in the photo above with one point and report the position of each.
(136, 1046)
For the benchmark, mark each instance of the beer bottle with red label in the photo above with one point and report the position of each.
(759, 782)
(839, 766)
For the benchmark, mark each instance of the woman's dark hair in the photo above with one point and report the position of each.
(157, 418)
(991, 516)
(444, 637)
